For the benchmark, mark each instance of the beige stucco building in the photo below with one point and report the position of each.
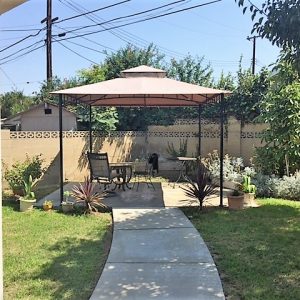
(43, 117)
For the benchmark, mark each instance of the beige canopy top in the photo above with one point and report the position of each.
(141, 86)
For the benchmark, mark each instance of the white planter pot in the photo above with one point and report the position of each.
(26, 205)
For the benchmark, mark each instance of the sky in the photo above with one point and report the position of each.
(217, 31)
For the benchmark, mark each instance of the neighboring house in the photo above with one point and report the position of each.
(42, 117)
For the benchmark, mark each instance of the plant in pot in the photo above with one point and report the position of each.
(27, 201)
(84, 195)
(20, 171)
(202, 187)
(47, 205)
(67, 205)
(249, 190)
(236, 198)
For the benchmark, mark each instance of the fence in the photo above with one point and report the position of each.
(127, 145)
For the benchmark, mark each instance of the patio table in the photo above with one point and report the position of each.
(183, 167)
(124, 169)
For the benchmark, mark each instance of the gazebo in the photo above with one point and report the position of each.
(138, 87)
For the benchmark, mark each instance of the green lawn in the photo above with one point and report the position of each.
(49, 255)
(256, 250)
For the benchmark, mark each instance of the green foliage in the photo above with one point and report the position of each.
(14, 102)
(247, 186)
(190, 69)
(279, 22)
(182, 151)
(244, 104)
(28, 193)
(20, 171)
(202, 187)
(288, 187)
(84, 193)
(130, 57)
(281, 111)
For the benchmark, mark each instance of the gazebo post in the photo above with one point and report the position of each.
(199, 131)
(90, 129)
(61, 166)
(221, 147)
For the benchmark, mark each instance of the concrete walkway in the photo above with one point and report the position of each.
(157, 254)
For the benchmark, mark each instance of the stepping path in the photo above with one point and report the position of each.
(157, 254)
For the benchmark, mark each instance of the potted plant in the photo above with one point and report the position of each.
(236, 198)
(84, 195)
(47, 205)
(249, 190)
(67, 205)
(27, 201)
(202, 187)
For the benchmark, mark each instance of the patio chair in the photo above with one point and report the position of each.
(100, 169)
(143, 174)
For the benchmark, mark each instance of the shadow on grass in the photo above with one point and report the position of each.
(255, 249)
(75, 272)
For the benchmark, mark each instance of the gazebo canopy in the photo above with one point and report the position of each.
(141, 86)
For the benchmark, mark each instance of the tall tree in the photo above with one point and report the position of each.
(14, 102)
(279, 22)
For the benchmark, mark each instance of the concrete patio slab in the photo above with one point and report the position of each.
(150, 219)
(141, 281)
(158, 245)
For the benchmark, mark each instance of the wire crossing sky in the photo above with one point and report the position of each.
(216, 30)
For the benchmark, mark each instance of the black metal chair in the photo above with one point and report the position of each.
(143, 174)
(100, 169)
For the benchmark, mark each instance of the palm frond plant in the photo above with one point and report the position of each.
(84, 193)
(202, 187)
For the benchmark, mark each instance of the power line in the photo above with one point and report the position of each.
(119, 33)
(20, 50)
(127, 16)
(23, 39)
(143, 20)
(5, 74)
(21, 55)
(77, 53)
(86, 47)
(90, 12)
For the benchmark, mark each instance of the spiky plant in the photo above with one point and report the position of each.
(202, 187)
(84, 193)
(28, 194)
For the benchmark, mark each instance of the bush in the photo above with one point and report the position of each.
(232, 166)
(288, 187)
(20, 171)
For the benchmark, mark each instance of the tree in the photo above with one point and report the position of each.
(190, 69)
(244, 103)
(280, 110)
(14, 102)
(279, 22)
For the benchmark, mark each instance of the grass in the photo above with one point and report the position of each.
(256, 250)
(49, 255)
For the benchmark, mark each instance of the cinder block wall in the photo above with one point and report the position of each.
(127, 146)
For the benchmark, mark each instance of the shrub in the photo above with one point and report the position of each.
(232, 166)
(264, 185)
(182, 151)
(288, 187)
(20, 171)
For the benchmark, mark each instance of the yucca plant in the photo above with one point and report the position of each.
(28, 194)
(202, 187)
(84, 193)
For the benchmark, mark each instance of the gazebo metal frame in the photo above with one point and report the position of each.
(142, 86)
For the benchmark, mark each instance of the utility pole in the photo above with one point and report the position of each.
(48, 40)
(249, 38)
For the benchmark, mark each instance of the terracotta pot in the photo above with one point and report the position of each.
(26, 205)
(236, 202)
